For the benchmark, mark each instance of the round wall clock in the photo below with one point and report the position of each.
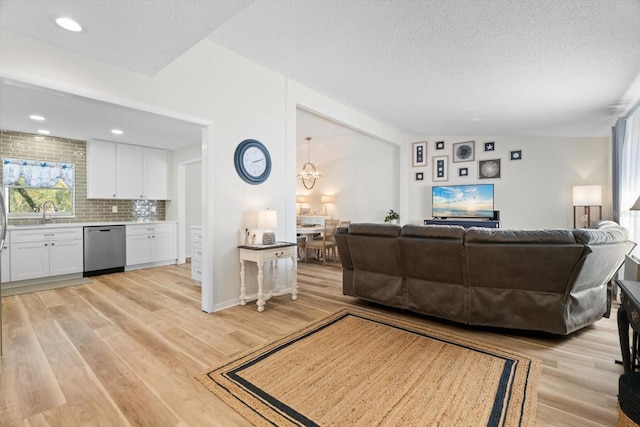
(252, 161)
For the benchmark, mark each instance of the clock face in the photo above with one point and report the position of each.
(252, 161)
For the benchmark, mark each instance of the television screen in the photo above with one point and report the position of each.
(462, 201)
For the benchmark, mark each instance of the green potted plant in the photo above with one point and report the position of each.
(392, 217)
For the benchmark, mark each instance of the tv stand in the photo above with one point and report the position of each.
(466, 223)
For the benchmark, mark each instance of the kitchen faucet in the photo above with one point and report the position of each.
(43, 208)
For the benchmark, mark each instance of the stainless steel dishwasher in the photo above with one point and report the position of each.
(104, 249)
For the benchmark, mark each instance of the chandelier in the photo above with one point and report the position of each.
(309, 173)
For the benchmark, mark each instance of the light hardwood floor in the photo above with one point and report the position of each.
(124, 350)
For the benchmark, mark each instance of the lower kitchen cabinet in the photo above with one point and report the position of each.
(154, 244)
(196, 253)
(5, 262)
(43, 253)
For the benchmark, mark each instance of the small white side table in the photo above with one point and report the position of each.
(268, 253)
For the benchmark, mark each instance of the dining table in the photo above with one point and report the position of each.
(308, 231)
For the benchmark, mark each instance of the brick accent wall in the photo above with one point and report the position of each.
(53, 149)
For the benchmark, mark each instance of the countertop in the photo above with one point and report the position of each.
(83, 224)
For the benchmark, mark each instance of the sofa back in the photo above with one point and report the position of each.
(519, 278)
(547, 280)
(607, 245)
(431, 259)
(374, 255)
(345, 260)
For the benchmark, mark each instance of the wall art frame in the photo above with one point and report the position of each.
(464, 151)
(489, 169)
(440, 168)
(515, 155)
(439, 145)
(490, 146)
(419, 153)
(463, 172)
(419, 176)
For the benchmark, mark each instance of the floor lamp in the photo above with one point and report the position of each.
(587, 197)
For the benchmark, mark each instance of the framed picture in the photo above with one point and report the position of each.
(440, 168)
(489, 169)
(439, 145)
(463, 171)
(464, 151)
(489, 146)
(516, 155)
(419, 176)
(420, 154)
(305, 211)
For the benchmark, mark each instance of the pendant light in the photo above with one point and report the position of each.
(309, 173)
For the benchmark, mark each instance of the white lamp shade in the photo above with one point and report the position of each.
(267, 219)
(327, 199)
(587, 195)
(301, 199)
(636, 205)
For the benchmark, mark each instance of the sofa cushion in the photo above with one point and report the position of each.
(492, 235)
(605, 235)
(433, 231)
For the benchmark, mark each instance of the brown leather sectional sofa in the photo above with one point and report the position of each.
(545, 280)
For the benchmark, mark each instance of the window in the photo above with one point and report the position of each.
(28, 184)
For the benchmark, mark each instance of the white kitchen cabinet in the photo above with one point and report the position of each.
(5, 262)
(36, 253)
(130, 171)
(154, 243)
(155, 174)
(196, 253)
(101, 170)
(126, 172)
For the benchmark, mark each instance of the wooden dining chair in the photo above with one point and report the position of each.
(328, 242)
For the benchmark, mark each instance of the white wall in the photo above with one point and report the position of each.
(235, 99)
(535, 192)
(364, 184)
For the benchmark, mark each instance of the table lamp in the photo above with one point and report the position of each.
(300, 200)
(636, 205)
(267, 220)
(326, 200)
(587, 196)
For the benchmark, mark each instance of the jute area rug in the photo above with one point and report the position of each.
(361, 368)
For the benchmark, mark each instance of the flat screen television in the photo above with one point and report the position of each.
(462, 201)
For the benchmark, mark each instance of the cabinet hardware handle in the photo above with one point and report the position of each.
(46, 244)
(53, 244)
(279, 254)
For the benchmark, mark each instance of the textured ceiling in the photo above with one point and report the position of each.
(477, 67)
(543, 67)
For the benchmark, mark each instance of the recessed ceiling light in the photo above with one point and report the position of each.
(36, 117)
(44, 131)
(68, 24)
(116, 131)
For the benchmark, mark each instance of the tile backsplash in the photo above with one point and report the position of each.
(53, 149)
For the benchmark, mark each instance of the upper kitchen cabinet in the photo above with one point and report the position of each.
(123, 171)
(101, 170)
